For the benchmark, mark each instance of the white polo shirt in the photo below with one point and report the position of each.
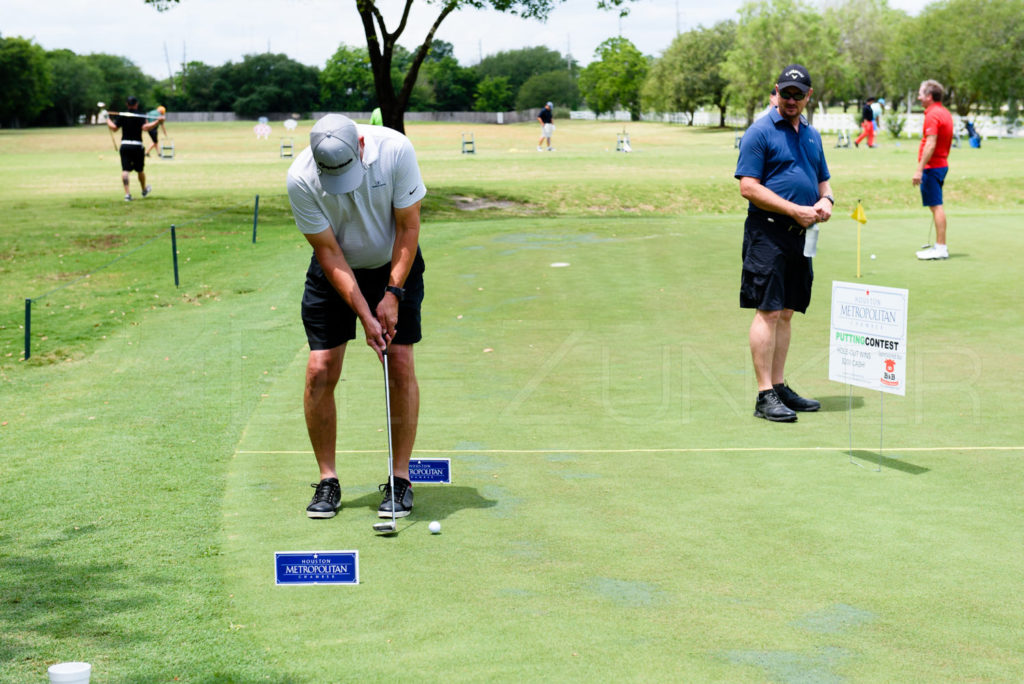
(363, 220)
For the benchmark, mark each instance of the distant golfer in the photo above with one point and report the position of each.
(355, 194)
(132, 124)
(867, 124)
(546, 128)
(160, 113)
(782, 172)
(933, 162)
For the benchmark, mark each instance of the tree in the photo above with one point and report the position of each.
(451, 87)
(864, 29)
(346, 83)
(615, 78)
(975, 48)
(24, 81)
(271, 83)
(557, 86)
(121, 78)
(688, 74)
(518, 66)
(381, 43)
(75, 87)
(771, 34)
(493, 94)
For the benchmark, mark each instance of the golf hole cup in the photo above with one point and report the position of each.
(69, 673)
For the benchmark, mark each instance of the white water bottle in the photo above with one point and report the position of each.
(811, 241)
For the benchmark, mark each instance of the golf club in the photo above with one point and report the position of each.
(930, 227)
(129, 114)
(389, 526)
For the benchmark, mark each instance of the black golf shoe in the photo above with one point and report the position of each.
(326, 500)
(403, 496)
(770, 407)
(793, 400)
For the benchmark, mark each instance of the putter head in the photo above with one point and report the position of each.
(387, 527)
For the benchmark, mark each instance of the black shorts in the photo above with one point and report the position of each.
(133, 157)
(776, 274)
(152, 133)
(330, 322)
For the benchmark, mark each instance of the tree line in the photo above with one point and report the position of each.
(852, 48)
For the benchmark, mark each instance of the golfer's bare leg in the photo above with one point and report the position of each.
(142, 180)
(322, 373)
(405, 405)
(783, 332)
(762, 345)
(125, 177)
(939, 213)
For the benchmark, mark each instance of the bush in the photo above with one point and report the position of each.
(894, 123)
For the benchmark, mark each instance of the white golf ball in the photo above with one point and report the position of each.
(872, 256)
(434, 527)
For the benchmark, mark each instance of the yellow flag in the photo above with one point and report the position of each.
(858, 214)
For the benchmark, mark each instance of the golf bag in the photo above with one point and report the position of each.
(973, 138)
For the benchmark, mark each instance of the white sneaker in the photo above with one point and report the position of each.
(934, 252)
(540, 149)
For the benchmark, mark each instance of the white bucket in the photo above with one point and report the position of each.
(69, 673)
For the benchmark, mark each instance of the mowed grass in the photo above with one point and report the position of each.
(616, 513)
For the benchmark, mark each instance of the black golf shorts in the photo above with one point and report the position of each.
(776, 274)
(330, 322)
(133, 157)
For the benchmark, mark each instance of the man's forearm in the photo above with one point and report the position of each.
(927, 152)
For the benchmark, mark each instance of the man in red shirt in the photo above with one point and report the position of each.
(932, 162)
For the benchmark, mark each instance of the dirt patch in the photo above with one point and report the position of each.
(464, 203)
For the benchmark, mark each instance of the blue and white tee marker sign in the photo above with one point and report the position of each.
(293, 568)
(435, 470)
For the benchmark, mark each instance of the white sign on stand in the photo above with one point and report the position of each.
(868, 346)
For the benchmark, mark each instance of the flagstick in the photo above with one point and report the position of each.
(858, 249)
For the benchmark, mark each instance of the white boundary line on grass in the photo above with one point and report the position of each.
(645, 451)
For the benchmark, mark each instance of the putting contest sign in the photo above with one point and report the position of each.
(868, 345)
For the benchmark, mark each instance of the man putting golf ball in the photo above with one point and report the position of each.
(355, 194)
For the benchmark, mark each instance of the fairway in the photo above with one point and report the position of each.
(616, 513)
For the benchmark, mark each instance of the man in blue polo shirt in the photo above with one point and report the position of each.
(782, 173)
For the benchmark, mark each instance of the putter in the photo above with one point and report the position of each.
(930, 227)
(388, 526)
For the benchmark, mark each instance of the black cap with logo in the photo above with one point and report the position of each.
(795, 76)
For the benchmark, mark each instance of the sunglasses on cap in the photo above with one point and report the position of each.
(794, 95)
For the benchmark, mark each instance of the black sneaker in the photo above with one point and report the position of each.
(326, 500)
(794, 401)
(770, 407)
(403, 495)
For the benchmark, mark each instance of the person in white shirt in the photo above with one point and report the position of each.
(355, 195)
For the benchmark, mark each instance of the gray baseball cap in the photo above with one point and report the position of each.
(335, 144)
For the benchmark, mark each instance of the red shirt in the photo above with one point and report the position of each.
(938, 122)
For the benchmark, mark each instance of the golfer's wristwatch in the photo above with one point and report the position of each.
(397, 291)
(830, 198)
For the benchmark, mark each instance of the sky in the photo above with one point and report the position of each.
(310, 31)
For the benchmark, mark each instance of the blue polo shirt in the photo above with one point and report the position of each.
(790, 163)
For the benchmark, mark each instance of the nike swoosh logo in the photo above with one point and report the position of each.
(414, 190)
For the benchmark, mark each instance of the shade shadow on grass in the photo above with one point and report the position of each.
(436, 502)
(872, 458)
(839, 403)
(61, 598)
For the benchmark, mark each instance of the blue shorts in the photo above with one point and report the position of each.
(330, 322)
(931, 186)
